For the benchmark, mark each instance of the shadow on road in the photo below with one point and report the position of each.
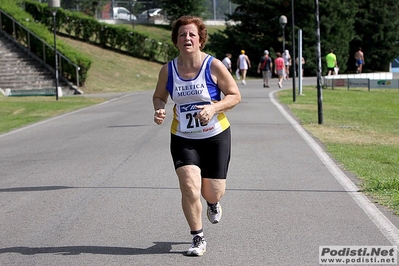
(157, 248)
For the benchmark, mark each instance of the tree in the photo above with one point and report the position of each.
(88, 7)
(218, 9)
(377, 32)
(177, 8)
(257, 28)
(337, 31)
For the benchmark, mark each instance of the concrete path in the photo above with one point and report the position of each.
(97, 187)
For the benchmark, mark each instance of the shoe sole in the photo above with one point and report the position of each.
(216, 221)
(194, 254)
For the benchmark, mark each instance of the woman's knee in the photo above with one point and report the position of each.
(213, 189)
(190, 182)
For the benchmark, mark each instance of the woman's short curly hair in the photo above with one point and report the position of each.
(185, 20)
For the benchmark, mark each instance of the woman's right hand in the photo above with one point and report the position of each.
(159, 116)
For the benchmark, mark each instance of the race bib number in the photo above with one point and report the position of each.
(188, 112)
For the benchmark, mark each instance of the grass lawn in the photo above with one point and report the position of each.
(361, 130)
(20, 111)
(115, 72)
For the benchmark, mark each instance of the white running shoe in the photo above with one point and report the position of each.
(244, 82)
(279, 85)
(198, 247)
(214, 213)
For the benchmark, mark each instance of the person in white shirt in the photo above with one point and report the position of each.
(243, 64)
(287, 64)
(227, 62)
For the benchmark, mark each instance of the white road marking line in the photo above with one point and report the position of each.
(387, 228)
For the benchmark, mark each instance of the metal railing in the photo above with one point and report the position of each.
(24, 37)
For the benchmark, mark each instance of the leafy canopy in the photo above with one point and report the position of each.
(345, 25)
(177, 8)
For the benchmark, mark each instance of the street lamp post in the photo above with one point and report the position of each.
(318, 65)
(293, 52)
(132, 3)
(54, 5)
(214, 10)
(283, 22)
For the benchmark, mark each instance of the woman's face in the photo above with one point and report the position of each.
(188, 39)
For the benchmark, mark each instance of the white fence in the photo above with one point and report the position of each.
(383, 80)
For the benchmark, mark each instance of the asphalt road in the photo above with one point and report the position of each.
(97, 187)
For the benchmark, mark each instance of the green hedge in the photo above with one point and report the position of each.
(88, 29)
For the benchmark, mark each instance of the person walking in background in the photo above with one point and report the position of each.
(331, 62)
(265, 65)
(287, 64)
(200, 141)
(279, 68)
(302, 63)
(359, 56)
(243, 63)
(227, 62)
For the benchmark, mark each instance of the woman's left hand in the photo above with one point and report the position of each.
(206, 113)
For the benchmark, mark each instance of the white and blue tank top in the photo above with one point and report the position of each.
(188, 93)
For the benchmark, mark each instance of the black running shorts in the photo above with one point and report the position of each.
(211, 155)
